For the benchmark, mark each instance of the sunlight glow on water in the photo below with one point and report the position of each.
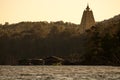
(59, 73)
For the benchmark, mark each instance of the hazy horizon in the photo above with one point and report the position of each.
(14, 11)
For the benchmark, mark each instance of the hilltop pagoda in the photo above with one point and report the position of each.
(87, 19)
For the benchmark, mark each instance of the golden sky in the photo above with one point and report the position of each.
(14, 11)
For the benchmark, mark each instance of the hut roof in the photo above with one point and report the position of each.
(54, 57)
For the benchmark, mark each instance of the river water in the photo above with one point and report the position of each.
(59, 73)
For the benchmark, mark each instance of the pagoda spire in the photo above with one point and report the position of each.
(87, 8)
(87, 20)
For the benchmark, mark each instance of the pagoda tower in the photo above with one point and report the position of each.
(87, 19)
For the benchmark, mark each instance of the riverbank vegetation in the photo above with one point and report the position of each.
(99, 45)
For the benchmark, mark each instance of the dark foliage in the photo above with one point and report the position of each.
(103, 46)
(99, 45)
(27, 40)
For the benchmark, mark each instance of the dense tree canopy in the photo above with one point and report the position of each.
(99, 45)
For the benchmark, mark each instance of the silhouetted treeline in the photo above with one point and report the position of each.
(38, 39)
(103, 45)
(99, 45)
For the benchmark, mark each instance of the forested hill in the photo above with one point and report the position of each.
(25, 40)
(103, 43)
(38, 39)
(37, 29)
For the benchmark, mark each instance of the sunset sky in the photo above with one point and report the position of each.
(14, 11)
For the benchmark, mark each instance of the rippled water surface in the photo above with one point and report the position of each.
(59, 73)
